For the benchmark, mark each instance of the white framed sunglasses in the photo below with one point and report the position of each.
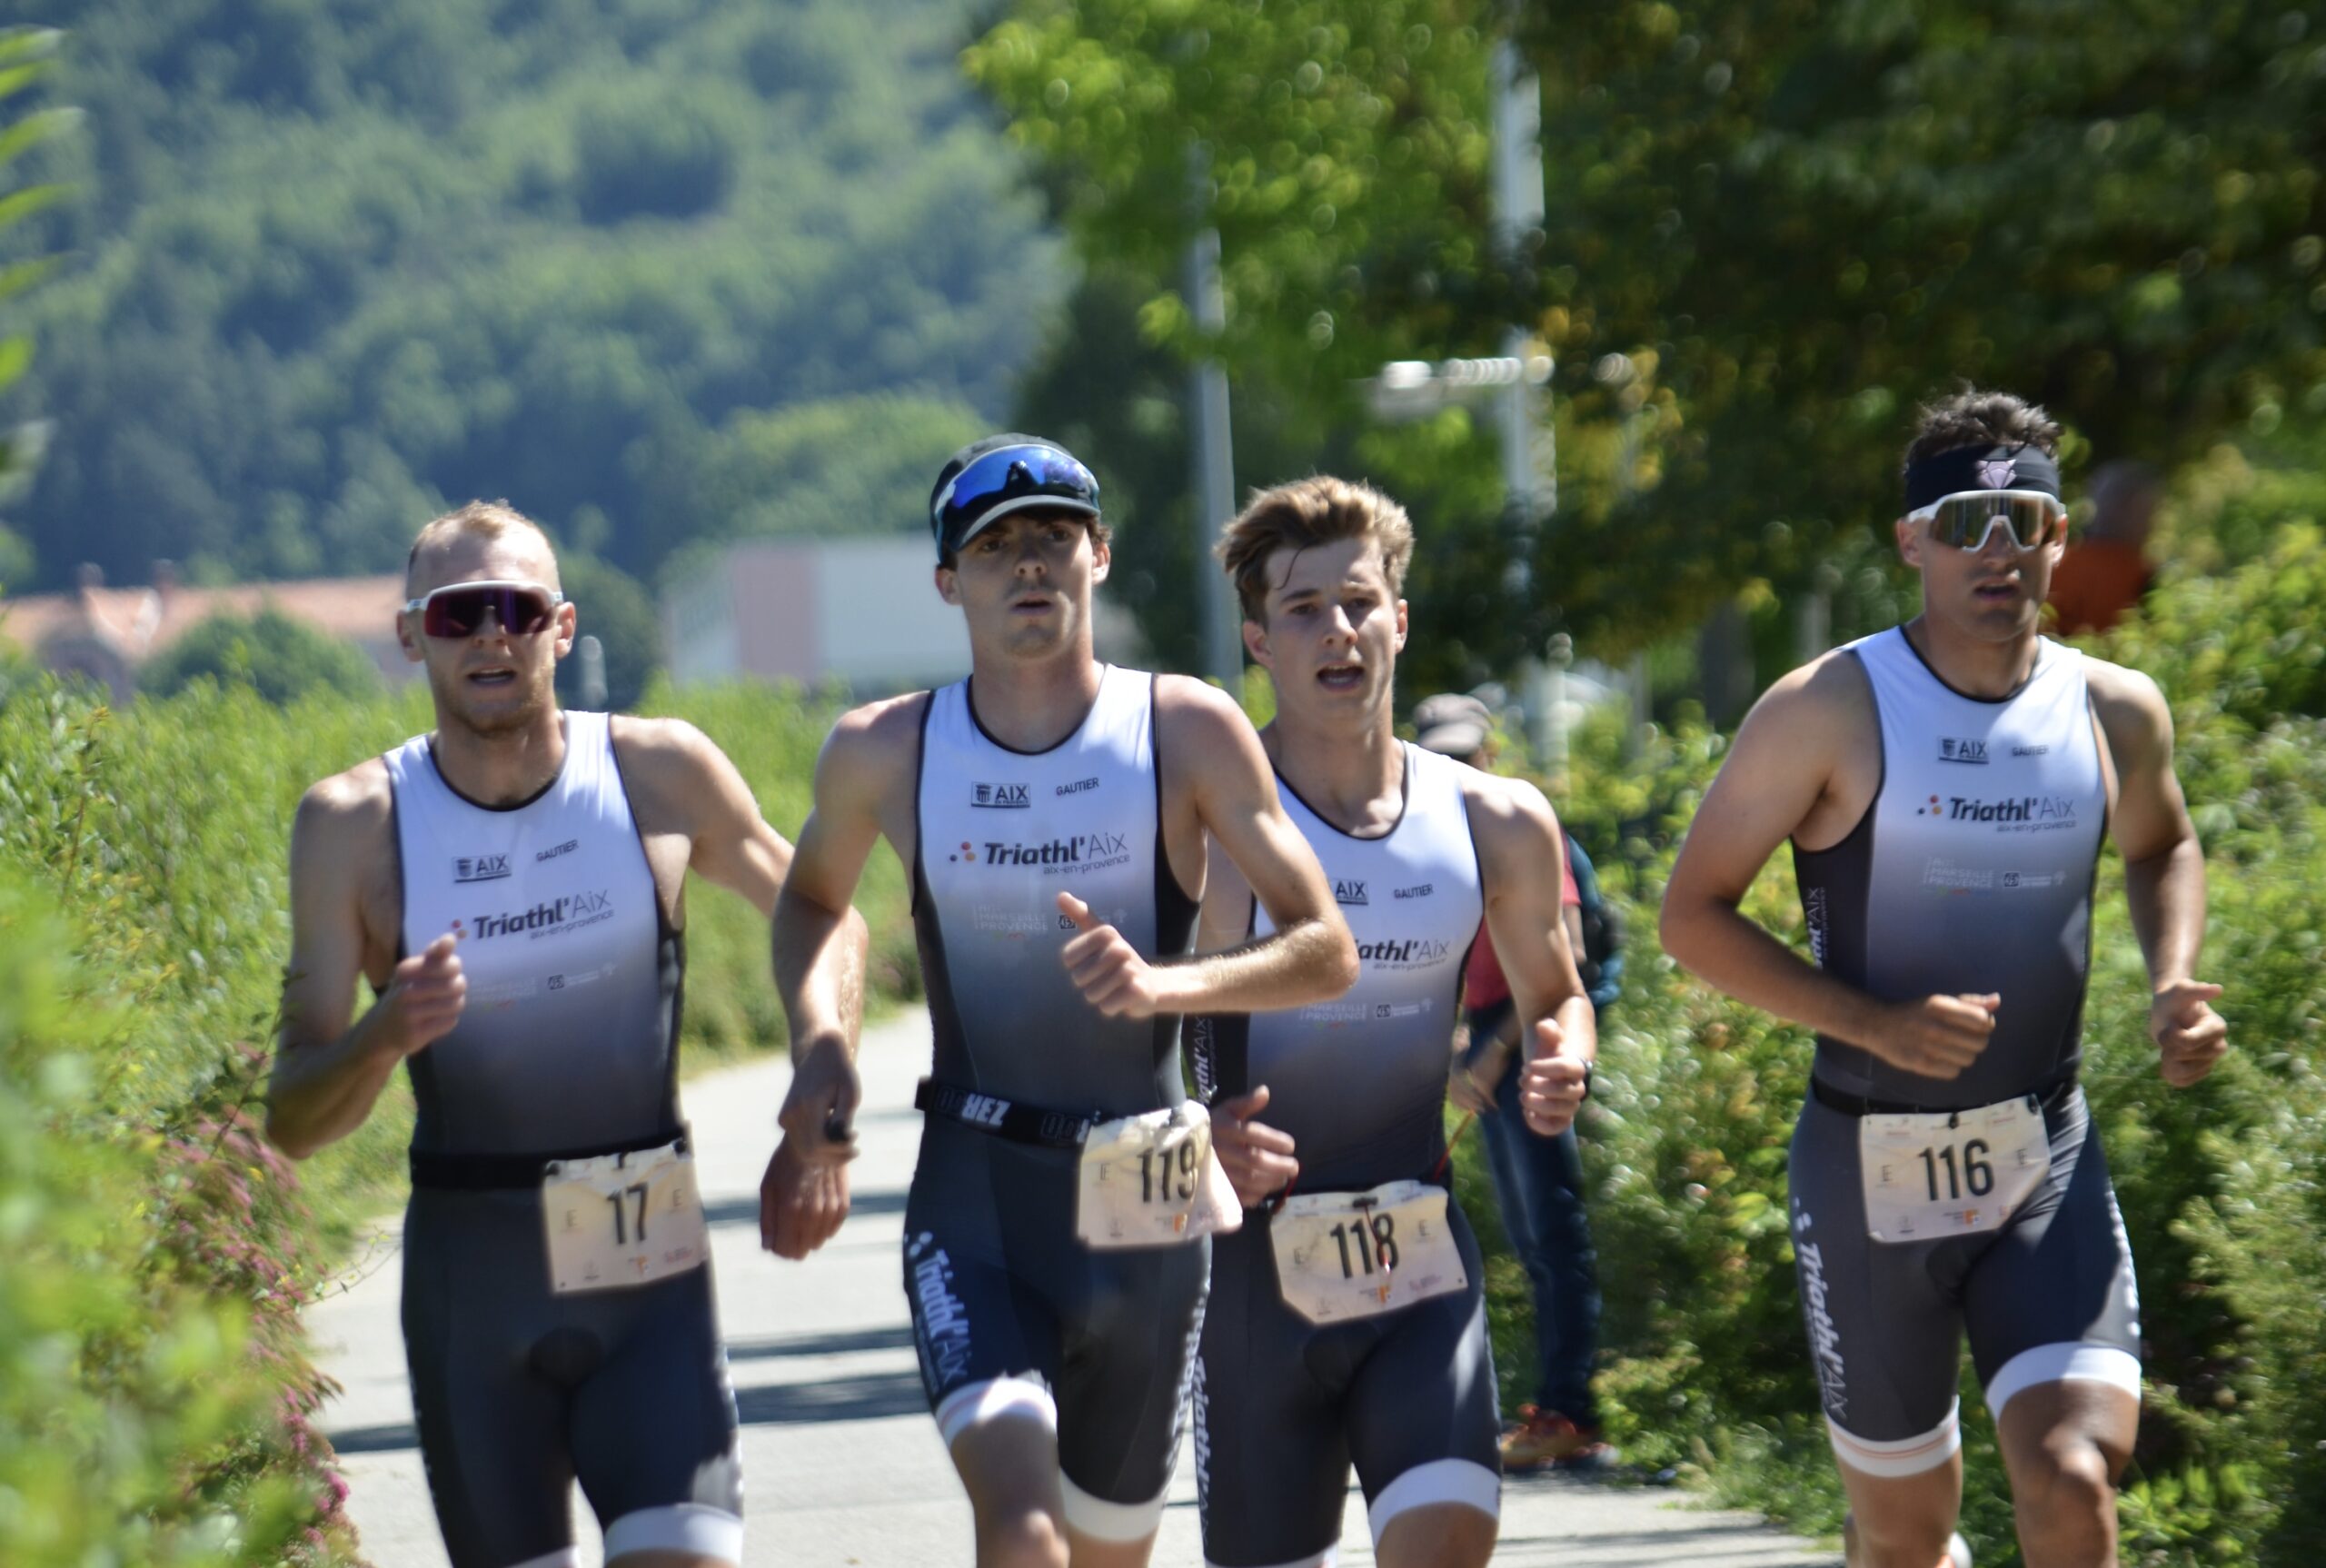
(458, 609)
(1968, 519)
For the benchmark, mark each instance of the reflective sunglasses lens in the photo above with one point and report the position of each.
(1012, 472)
(1966, 522)
(459, 612)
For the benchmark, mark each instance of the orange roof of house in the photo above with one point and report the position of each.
(139, 623)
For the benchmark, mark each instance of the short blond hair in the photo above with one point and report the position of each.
(485, 519)
(1306, 513)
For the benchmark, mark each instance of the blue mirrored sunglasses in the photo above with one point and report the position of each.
(984, 490)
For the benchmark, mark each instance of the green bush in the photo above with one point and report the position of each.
(280, 657)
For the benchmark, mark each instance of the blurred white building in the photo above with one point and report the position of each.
(863, 611)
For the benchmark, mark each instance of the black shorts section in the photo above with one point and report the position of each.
(1000, 1286)
(1886, 1320)
(1284, 1407)
(517, 1392)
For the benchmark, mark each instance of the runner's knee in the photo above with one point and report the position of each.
(1020, 1538)
(1437, 1535)
(2066, 1494)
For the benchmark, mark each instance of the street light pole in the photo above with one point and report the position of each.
(1219, 621)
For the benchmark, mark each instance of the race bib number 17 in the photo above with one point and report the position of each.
(1933, 1174)
(622, 1220)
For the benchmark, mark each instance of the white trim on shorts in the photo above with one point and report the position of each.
(1907, 1455)
(693, 1527)
(2069, 1361)
(1327, 1558)
(1461, 1481)
(1120, 1522)
(994, 1399)
(563, 1557)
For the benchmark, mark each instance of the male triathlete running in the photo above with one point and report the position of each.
(1945, 785)
(510, 885)
(1347, 1321)
(1052, 812)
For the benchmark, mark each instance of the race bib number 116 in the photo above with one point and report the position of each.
(1933, 1174)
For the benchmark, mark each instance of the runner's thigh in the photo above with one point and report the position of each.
(1271, 1455)
(1882, 1320)
(492, 1430)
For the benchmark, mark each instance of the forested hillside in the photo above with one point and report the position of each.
(656, 271)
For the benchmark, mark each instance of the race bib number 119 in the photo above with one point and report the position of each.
(622, 1220)
(1152, 1181)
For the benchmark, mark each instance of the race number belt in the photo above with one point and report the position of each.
(1932, 1175)
(1341, 1255)
(1152, 1180)
(1013, 1119)
(615, 1221)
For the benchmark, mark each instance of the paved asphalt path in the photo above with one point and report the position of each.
(842, 1463)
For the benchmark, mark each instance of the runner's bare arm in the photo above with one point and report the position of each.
(695, 783)
(329, 1067)
(819, 971)
(1259, 1159)
(1227, 918)
(1520, 851)
(1310, 957)
(1785, 757)
(2164, 870)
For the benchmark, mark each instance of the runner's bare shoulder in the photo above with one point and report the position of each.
(871, 751)
(347, 818)
(1510, 817)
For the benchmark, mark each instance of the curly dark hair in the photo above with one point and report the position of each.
(1974, 417)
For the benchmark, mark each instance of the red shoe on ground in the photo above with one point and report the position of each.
(1544, 1437)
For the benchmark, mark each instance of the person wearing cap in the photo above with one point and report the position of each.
(1347, 1324)
(1052, 814)
(1537, 1180)
(1945, 786)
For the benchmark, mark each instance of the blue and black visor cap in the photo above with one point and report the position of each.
(991, 484)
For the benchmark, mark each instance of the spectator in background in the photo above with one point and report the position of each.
(1537, 1181)
(2105, 571)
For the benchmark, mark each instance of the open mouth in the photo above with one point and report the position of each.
(1341, 677)
(1032, 602)
(1994, 592)
(493, 678)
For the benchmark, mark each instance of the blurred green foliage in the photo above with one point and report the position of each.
(336, 264)
(278, 656)
(155, 1393)
(1772, 230)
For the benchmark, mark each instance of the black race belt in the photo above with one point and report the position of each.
(447, 1172)
(2048, 1097)
(1012, 1119)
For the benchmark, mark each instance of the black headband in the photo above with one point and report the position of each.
(1942, 474)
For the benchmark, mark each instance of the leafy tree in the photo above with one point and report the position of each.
(610, 606)
(1772, 229)
(281, 658)
(340, 264)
